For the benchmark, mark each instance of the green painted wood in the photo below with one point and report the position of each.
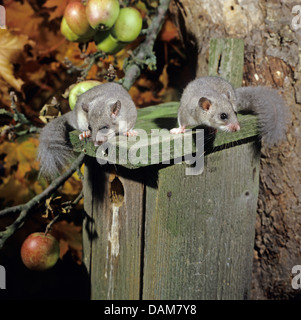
(157, 120)
(199, 233)
(226, 59)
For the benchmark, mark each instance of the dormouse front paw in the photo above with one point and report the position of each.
(130, 133)
(177, 130)
(84, 135)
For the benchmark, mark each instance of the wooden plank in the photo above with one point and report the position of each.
(226, 59)
(200, 229)
(88, 205)
(112, 238)
(148, 120)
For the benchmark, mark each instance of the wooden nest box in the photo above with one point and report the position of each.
(153, 232)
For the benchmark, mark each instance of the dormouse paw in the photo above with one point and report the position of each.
(130, 133)
(177, 130)
(84, 135)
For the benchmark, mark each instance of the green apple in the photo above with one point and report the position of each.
(128, 25)
(67, 32)
(107, 43)
(75, 16)
(79, 89)
(70, 35)
(102, 14)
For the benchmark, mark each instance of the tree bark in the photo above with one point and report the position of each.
(272, 58)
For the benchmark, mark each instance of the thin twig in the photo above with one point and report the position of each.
(25, 208)
(50, 224)
(69, 206)
(145, 51)
(88, 63)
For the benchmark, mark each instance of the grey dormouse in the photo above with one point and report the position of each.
(100, 113)
(213, 102)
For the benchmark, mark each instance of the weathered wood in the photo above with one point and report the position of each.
(227, 60)
(161, 117)
(112, 232)
(199, 232)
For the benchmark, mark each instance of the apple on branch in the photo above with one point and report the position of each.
(39, 251)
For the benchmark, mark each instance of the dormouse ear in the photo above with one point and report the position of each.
(115, 108)
(85, 107)
(228, 95)
(205, 103)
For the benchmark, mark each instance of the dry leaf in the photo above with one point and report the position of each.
(19, 162)
(10, 47)
(59, 7)
(20, 17)
(169, 32)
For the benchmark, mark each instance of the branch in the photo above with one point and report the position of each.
(25, 208)
(68, 206)
(144, 55)
(88, 63)
(23, 125)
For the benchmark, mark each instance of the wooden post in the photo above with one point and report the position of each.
(153, 232)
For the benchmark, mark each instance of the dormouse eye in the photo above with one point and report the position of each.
(89, 128)
(223, 116)
(104, 128)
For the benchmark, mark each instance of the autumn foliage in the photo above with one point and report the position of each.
(39, 64)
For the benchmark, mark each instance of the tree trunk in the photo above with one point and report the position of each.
(272, 50)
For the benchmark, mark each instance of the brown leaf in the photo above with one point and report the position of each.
(59, 6)
(169, 32)
(21, 18)
(10, 47)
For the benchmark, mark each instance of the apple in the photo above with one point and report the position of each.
(75, 16)
(102, 14)
(70, 35)
(39, 251)
(107, 43)
(79, 89)
(128, 25)
(67, 32)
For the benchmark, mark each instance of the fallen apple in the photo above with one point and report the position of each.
(39, 251)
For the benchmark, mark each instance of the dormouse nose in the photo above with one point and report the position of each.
(234, 127)
(99, 141)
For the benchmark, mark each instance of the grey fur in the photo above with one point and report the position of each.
(265, 102)
(219, 92)
(270, 108)
(55, 150)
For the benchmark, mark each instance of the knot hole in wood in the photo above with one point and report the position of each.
(117, 192)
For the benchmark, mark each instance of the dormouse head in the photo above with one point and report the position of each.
(230, 96)
(103, 121)
(219, 114)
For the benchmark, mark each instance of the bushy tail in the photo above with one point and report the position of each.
(270, 108)
(55, 150)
